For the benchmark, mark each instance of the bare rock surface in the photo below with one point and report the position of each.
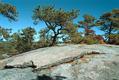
(17, 74)
(69, 62)
(90, 67)
(50, 55)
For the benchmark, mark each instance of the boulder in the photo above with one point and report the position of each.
(2, 65)
(18, 74)
(24, 65)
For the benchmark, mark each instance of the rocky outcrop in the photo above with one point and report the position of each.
(77, 62)
(18, 74)
(67, 60)
(89, 67)
(49, 55)
(2, 65)
(24, 65)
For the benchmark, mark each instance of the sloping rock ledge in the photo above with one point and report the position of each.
(97, 62)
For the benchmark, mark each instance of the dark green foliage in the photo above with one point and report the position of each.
(110, 23)
(4, 33)
(87, 24)
(90, 40)
(114, 39)
(55, 19)
(24, 39)
(45, 38)
(6, 46)
(7, 49)
(8, 11)
(89, 35)
(71, 34)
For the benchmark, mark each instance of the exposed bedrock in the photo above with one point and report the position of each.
(69, 62)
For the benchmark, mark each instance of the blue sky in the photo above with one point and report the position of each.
(25, 9)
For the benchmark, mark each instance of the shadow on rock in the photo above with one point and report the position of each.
(45, 77)
(60, 77)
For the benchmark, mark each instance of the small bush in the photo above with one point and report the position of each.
(92, 39)
(114, 39)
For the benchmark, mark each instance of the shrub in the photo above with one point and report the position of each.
(90, 40)
(114, 39)
(93, 39)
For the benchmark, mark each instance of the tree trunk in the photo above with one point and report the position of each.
(56, 33)
(86, 31)
(54, 40)
(109, 33)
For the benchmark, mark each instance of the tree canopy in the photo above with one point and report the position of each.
(8, 11)
(24, 39)
(87, 23)
(110, 23)
(55, 19)
(4, 33)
